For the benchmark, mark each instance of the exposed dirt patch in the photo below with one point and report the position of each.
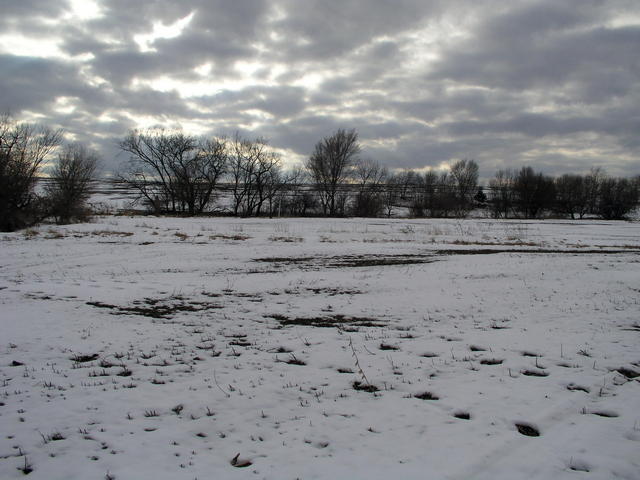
(517, 243)
(162, 308)
(365, 387)
(491, 361)
(493, 251)
(325, 291)
(632, 328)
(237, 237)
(240, 462)
(379, 260)
(285, 260)
(281, 350)
(527, 430)
(627, 372)
(572, 387)
(605, 413)
(287, 239)
(330, 292)
(579, 466)
(85, 358)
(426, 396)
(350, 261)
(328, 321)
(526, 353)
(477, 348)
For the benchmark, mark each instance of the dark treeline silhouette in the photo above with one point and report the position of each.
(530, 194)
(180, 174)
(176, 173)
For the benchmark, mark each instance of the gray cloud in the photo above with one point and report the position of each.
(323, 30)
(27, 15)
(29, 83)
(553, 84)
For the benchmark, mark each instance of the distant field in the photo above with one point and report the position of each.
(165, 348)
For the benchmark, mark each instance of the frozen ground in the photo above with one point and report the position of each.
(158, 348)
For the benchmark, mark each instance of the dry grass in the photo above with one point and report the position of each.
(51, 233)
(111, 233)
(30, 233)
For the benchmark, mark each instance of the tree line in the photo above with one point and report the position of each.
(176, 173)
(530, 194)
(179, 174)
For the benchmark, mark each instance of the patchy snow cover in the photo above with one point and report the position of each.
(163, 348)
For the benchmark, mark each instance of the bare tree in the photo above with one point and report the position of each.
(571, 195)
(369, 177)
(391, 193)
(435, 195)
(592, 183)
(446, 199)
(23, 149)
(199, 176)
(174, 172)
(369, 173)
(255, 173)
(70, 180)
(618, 197)
(296, 197)
(465, 175)
(501, 193)
(286, 190)
(330, 165)
(408, 180)
(240, 170)
(425, 193)
(534, 192)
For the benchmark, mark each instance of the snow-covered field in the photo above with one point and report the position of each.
(161, 348)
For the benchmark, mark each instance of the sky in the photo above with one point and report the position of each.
(545, 83)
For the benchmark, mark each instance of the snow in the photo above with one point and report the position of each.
(209, 314)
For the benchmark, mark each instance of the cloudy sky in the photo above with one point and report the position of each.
(548, 83)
